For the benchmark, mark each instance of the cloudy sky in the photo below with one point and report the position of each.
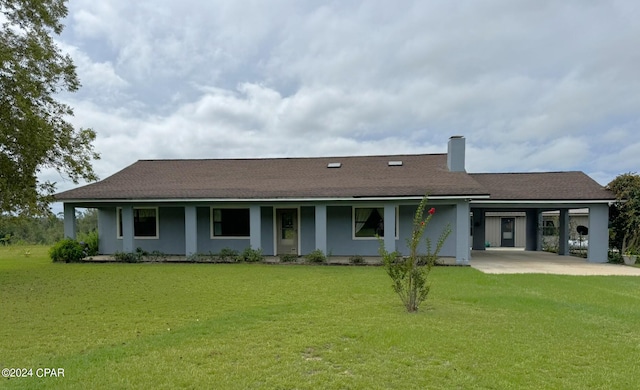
(533, 84)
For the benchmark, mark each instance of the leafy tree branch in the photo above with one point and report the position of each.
(34, 131)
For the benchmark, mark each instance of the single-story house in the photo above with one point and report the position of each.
(334, 204)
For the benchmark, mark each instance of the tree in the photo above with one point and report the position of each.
(409, 274)
(34, 131)
(46, 229)
(27, 230)
(87, 221)
(625, 212)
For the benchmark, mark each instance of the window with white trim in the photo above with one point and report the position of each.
(145, 222)
(368, 222)
(230, 223)
(549, 228)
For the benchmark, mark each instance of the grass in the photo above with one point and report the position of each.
(242, 326)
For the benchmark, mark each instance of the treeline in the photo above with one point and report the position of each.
(43, 230)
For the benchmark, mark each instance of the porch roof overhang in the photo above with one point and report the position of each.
(325, 200)
(551, 204)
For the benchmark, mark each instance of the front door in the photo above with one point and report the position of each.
(508, 232)
(287, 231)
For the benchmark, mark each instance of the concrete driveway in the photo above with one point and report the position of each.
(502, 261)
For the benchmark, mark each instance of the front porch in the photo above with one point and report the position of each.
(336, 228)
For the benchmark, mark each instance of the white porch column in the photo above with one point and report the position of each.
(598, 233)
(390, 227)
(190, 230)
(255, 227)
(563, 239)
(127, 229)
(461, 232)
(321, 228)
(69, 221)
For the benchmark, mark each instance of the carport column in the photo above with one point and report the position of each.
(598, 233)
(479, 235)
(321, 228)
(563, 240)
(190, 230)
(461, 232)
(540, 235)
(255, 227)
(69, 221)
(127, 229)
(531, 241)
(390, 227)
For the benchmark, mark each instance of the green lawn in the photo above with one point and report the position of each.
(238, 326)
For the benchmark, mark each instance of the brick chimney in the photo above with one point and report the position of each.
(455, 154)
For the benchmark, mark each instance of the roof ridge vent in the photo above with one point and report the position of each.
(396, 163)
(334, 165)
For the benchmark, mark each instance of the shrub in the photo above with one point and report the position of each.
(615, 257)
(130, 257)
(6, 239)
(90, 241)
(409, 274)
(209, 257)
(288, 258)
(356, 259)
(228, 254)
(157, 255)
(67, 250)
(550, 246)
(126, 257)
(317, 256)
(194, 258)
(250, 255)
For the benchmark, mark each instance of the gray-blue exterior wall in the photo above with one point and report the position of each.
(171, 232)
(307, 229)
(340, 241)
(267, 230)
(444, 215)
(207, 244)
(598, 233)
(107, 240)
(340, 233)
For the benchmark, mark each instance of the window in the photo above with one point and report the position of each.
(549, 228)
(230, 223)
(145, 222)
(368, 222)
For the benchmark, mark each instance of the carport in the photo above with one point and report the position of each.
(535, 193)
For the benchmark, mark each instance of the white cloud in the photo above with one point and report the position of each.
(625, 157)
(533, 85)
(98, 77)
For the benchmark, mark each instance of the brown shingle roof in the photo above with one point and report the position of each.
(542, 186)
(367, 176)
(299, 178)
